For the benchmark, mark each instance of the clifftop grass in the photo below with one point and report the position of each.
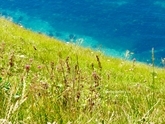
(43, 80)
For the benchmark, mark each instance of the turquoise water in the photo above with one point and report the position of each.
(113, 26)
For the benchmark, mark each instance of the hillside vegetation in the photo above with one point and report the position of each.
(46, 81)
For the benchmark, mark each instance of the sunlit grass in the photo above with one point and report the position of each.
(43, 80)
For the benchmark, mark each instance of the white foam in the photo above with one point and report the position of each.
(113, 52)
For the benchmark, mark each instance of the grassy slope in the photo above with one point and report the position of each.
(44, 80)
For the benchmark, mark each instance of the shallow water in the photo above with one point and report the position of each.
(113, 26)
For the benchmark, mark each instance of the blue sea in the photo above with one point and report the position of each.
(112, 26)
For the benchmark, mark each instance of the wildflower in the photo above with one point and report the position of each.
(39, 67)
(22, 56)
(31, 60)
(27, 67)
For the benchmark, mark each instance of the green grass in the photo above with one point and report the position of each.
(46, 81)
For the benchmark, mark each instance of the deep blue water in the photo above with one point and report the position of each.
(113, 26)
